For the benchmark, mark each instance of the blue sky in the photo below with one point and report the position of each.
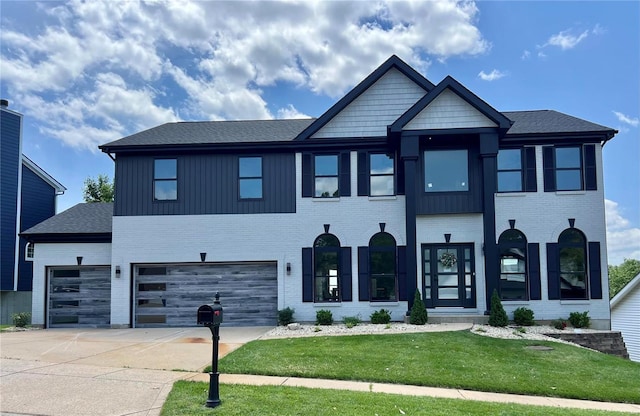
(86, 73)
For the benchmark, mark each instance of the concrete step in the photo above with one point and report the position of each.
(609, 342)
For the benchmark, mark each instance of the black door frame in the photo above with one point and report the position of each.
(433, 301)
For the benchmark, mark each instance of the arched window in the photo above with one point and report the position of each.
(512, 246)
(326, 254)
(572, 255)
(382, 267)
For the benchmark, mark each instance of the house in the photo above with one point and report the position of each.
(624, 316)
(28, 197)
(402, 185)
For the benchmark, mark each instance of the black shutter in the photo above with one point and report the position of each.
(595, 270)
(363, 273)
(530, 181)
(553, 274)
(533, 261)
(590, 176)
(363, 174)
(402, 273)
(548, 165)
(307, 274)
(346, 279)
(345, 174)
(307, 175)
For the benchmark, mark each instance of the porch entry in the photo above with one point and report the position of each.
(449, 275)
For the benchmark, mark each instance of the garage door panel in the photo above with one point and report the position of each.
(248, 293)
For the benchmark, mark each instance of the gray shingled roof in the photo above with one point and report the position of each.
(94, 218)
(262, 131)
(208, 132)
(549, 121)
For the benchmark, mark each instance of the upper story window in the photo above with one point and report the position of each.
(29, 252)
(165, 179)
(512, 245)
(381, 174)
(250, 177)
(510, 170)
(446, 170)
(326, 176)
(569, 168)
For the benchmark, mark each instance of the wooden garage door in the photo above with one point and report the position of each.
(169, 295)
(79, 297)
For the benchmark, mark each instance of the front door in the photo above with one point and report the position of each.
(449, 275)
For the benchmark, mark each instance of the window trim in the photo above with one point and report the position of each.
(245, 178)
(316, 176)
(585, 258)
(172, 179)
(29, 251)
(580, 169)
(383, 249)
(424, 171)
(378, 175)
(327, 249)
(521, 170)
(506, 244)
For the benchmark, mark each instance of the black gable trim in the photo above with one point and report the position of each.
(392, 62)
(459, 89)
(68, 238)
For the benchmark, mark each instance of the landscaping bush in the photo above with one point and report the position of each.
(523, 316)
(21, 319)
(382, 316)
(324, 317)
(580, 319)
(285, 316)
(418, 315)
(351, 321)
(497, 316)
(559, 324)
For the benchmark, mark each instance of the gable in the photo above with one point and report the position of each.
(371, 112)
(448, 110)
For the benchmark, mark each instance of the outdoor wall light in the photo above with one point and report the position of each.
(117, 271)
(288, 268)
(79, 260)
(447, 238)
(203, 257)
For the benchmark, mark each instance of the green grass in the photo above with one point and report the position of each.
(188, 398)
(4, 327)
(446, 359)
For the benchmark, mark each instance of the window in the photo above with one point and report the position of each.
(326, 253)
(29, 252)
(510, 170)
(250, 177)
(382, 267)
(446, 171)
(165, 179)
(572, 255)
(381, 177)
(326, 176)
(512, 246)
(568, 169)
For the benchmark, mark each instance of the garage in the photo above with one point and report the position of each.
(79, 297)
(170, 294)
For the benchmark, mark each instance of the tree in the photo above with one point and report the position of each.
(620, 275)
(100, 189)
(497, 315)
(418, 315)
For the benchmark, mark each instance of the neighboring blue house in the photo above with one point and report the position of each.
(402, 185)
(28, 196)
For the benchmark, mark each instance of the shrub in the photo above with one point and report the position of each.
(351, 321)
(382, 316)
(324, 317)
(580, 319)
(21, 319)
(523, 316)
(418, 315)
(497, 316)
(285, 316)
(559, 324)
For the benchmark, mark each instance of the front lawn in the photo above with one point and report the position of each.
(188, 398)
(445, 359)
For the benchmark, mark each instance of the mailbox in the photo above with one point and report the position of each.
(210, 315)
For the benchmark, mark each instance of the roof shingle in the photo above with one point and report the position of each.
(85, 218)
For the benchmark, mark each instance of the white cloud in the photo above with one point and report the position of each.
(210, 60)
(290, 112)
(525, 55)
(623, 240)
(565, 40)
(491, 76)
(632, 121)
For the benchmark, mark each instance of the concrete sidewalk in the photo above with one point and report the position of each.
(131, 372)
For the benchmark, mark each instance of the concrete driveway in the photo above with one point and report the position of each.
(104, 371)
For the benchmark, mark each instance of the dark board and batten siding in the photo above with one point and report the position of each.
(10, 164)
(207, 184)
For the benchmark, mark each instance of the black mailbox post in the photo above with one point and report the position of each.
(211, 317)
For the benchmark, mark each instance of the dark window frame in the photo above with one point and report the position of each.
(504, 246)
(157, 180)
(389, 249)
(373, 175)
(333, 293)
(425, 167)
(567, 246)
(317, 176)
(245, 178)
(579, 169)
(510, 170)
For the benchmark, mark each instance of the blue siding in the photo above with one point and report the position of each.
(207, 184)
(38, 204)
(9, 165)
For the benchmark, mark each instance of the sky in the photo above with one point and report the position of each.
(87, 73)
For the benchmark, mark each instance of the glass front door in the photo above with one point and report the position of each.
(449, 275)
